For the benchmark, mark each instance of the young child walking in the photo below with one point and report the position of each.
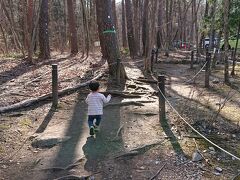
(95, 101)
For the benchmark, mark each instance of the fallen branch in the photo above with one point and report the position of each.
(146, 114)
(158, 172)
(119, 93)
(145, 80)
(32, 101)
(125, 104)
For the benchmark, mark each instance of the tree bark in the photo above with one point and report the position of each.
(124, 35)
(136, 18)
(72, 28)
(100, 22)
(4, 38)
(114, 13)
(226, 44)
(130, 30)
(212, 26)
(235, 50)
(86, 28)
(106, 27)
(43, 31)
(144, 27)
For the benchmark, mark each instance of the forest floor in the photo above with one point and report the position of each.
(41, 143)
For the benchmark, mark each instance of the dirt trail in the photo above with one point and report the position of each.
(140, 127)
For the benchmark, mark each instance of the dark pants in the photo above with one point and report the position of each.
(91, 119)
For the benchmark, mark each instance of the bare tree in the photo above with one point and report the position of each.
(124, 35)
(72, 27)
(43, 31)
(226, 5)
(106, 27)
(130, 30)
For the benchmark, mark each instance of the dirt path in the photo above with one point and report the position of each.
(64, 146)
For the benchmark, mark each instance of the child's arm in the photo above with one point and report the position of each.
(106, 100)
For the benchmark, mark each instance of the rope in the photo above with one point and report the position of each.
(197, 130)
(196, 74)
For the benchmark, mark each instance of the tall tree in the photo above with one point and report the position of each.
(43, 31)
(100, 8)
(106, 28)
(144, 27)
(124, 35)
(136, 20)
(226, 5)
(86, 27)
(72, 28)
(114, 14)
(130, 30)
(151, 35)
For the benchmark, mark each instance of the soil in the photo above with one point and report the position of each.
(42, 143)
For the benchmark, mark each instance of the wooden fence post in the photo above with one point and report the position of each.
(54, 85)
(192, 59)
(207, 72)
(161, 85)
(118, 71)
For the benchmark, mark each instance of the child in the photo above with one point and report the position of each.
(95, 101)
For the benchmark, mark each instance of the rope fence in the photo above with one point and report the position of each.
(185, 121)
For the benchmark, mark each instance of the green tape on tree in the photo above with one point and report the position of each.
(109, 31)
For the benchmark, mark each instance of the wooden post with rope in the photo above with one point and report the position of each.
(207, 72)
(161, 85)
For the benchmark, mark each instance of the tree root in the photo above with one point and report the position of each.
(69, 167)
(158, 172)
(138, 150)
(118, 133)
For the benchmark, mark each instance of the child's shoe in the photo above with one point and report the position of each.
(96, 128)
(91, 130)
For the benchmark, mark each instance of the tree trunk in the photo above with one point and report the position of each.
(124, 35)
(226, 44)
(212, 26)
(201, 43)
(4, 38)
(160, 25)
(72, 28)
(130, 30)
(144, 27)
(167, 29)
(106, 27)
(86, 28)
(43, 31)
(235, 51)
(100, 13)
(151, 35)
(114, 13)
(136, 18)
